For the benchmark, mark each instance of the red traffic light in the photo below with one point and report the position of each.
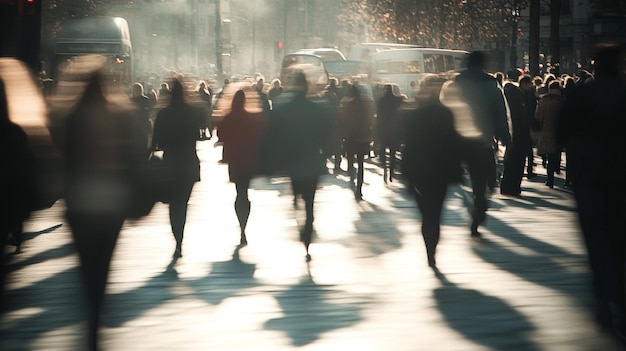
(279, 44)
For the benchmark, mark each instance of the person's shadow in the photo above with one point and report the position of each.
(480, 317)
(308, 312)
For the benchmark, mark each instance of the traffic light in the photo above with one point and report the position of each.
(278, 50)
(27, 7)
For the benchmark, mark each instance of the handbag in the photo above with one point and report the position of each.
(151, 183)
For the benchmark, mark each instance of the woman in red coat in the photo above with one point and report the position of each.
(240, 132)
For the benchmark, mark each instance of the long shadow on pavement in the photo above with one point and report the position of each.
(309, 311)
(484, 319)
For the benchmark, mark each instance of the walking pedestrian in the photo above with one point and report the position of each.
(388, 130)
(521, 143)
(206, 126)
(431, 158)
(356, 132)
(17, 167)
(102, 147)
(548, 110)
(589, 128)
(488, 110)
(331, 94)
(175, 133)
(300, 132)
(240, 132)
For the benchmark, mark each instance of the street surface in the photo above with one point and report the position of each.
(524, 286)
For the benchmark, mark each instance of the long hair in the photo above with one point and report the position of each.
(178, 96)
(239, 101)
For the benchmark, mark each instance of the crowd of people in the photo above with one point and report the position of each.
(459, 127)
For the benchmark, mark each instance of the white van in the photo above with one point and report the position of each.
(403, 66)
(366, 51)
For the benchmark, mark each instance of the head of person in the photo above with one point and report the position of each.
(526, 83)
(239, 101)
(606, 60)
(476, 60)
(137, 89)
(164, 86)
(388, 90)
(332, 83)
(178, 93)
(554, 86)
(202, 85)
(300, 84)
(513, 75)
(276, 83)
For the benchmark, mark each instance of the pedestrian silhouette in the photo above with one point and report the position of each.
(102, 146)
(299, 133)
(356, 131)
(240, 132)
(388, 129)
(175, 133)
(589, 130)
(521, 143)
(487, 109)
(17, 185)
(206, 127)
(431, 158)
(548, 110)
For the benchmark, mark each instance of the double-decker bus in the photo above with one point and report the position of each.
(108, 37)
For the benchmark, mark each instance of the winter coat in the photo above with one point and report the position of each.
(548, 110)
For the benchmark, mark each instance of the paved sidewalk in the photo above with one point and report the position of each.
(525, 286)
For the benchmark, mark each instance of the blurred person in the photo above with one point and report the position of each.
(388, 130)
(152, 96)
(431, 159)
(143, 106)
(240, 132)
(259, 87)
(548, 110)
(521, 143)
(17, 167)
(356, 131)
(488, 110)
(175, 133)
(275, 90)
(589, 129)
(164, 91)
(331, 94)
(206, 127)
(102, 146)
(300, 133)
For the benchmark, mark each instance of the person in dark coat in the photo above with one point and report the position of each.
(521, 143)
(240, 132)
(206, 127)
(175, 133)
(487, 106)
(356, 131)
(431, 159)
(17, 167)
(589, 129)
(388, 128)
(102, 146)
(300, 131)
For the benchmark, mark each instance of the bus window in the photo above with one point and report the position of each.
(434, 63)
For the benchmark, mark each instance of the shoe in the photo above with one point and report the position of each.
(550, 185)
(308, 258)
(475, 233)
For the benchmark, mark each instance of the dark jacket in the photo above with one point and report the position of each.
(299, 133)
(432, 146)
